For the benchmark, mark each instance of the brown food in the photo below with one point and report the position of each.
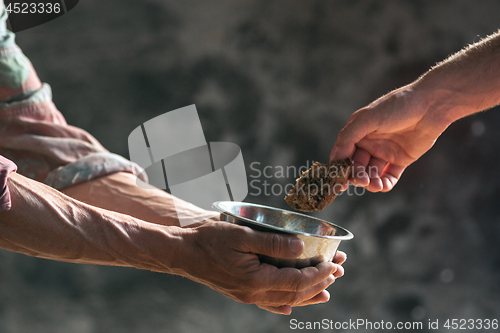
(318, 186)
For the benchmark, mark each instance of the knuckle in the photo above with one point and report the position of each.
(241, 233)
(339, 272)
(273, 244)
(341, 135)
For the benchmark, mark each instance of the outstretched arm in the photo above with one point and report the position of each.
(392, 132)
(45, 223)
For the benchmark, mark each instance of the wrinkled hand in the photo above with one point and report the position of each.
(223, 256)
(322, 297)
(386, 136)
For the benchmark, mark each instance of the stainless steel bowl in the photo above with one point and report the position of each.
(321, 239)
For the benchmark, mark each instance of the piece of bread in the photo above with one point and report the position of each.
(318, 186)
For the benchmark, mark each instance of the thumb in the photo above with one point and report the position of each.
(344, 146)
(271, 244)
(342, 150)
(357, 127)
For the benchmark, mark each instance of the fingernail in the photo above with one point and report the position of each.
(330, 279)
(296, 246)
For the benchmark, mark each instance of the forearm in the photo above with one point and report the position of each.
(465, 83)
(45, 223)
(119, 192)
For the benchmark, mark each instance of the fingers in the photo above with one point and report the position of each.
(343, 147)
(375, 174)
(369, 172)
(295, 298)
(339, 272)
(383, 177)
(358, 126)
(342, 150)
(284, 309)
(360, 159)
(340, 257)
(293, 279)
(269, 244)
(374, 170)
(390, 176)
(322, 297)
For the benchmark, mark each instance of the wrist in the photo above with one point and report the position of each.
(439, 104)
(166, 248)
(450, 94)
(180, 249)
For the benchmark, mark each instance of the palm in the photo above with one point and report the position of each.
(400, 148)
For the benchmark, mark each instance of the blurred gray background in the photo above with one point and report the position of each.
(279, 78)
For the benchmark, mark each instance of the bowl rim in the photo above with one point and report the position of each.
(217, 206)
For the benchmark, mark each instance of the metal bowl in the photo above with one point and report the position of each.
(321, 239)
